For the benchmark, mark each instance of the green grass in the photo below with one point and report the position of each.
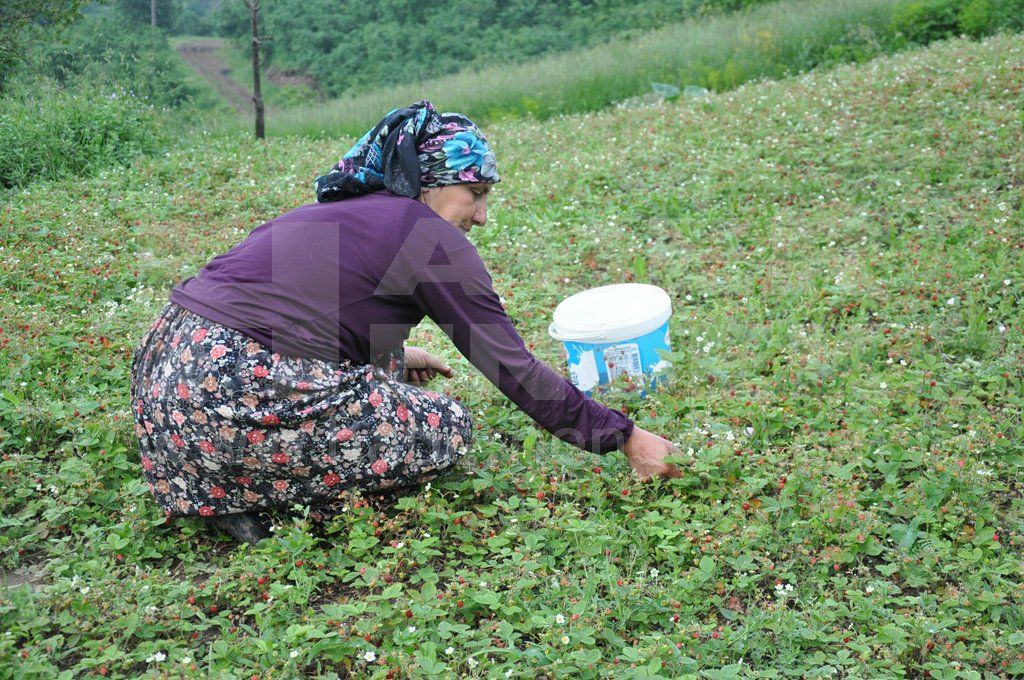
(843, 253)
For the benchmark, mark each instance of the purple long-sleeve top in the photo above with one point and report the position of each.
(347, 281)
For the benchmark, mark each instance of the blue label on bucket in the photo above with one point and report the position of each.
(594, 364)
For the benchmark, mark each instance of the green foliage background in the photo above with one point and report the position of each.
(23, 21)
(109, 49)
(96, 93)
(354, 45)
(110, 54)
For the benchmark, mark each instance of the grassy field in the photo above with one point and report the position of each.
(844, 254)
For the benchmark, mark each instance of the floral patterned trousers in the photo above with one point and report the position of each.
(226, 425)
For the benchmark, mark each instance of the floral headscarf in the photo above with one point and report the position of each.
(410, 148)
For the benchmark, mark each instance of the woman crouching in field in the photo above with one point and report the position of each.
(277, 375)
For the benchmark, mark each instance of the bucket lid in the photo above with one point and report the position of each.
(611, 313)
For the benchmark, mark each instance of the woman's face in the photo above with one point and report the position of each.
(463, 205)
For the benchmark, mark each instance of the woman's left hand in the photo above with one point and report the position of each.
(421, 366)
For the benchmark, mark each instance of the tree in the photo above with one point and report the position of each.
(22, 21)
(257, 97)
(162, 14)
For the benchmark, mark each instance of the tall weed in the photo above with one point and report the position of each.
(50, 132)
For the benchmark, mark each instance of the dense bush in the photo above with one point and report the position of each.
(23, 22)
(194, 18)
(93, 98)
(138, 12)
(107, 48)
(179, 17)
(923, 21)
(50, 132)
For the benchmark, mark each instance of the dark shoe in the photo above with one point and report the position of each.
(244, 527)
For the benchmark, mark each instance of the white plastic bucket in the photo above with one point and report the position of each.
(612, 330)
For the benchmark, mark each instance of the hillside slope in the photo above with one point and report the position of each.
(843, 254)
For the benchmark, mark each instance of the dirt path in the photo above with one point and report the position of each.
(202, 56)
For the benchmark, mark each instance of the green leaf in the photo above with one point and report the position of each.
(426, 657)
(905, 535)
(370, 574)
(723, 673)
(428, 576)
(983, 534)
(333, 648)
(116, 541)
(529, 443)
(640, 267)
(887, 569)
(391, 592)
(808, 634)
(431, 667)
(487, 597)
(495, 542)
(340, 612)
(446, 629)
(587, 656)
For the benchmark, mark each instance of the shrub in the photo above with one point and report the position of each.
(859, 44)
(1004, 15)
(50, 132)
(975, 18)
(26, 21)
(923, 21)
(108, 48)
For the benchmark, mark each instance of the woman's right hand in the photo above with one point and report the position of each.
(645, 452)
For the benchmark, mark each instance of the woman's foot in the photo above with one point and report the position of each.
(244, 527)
